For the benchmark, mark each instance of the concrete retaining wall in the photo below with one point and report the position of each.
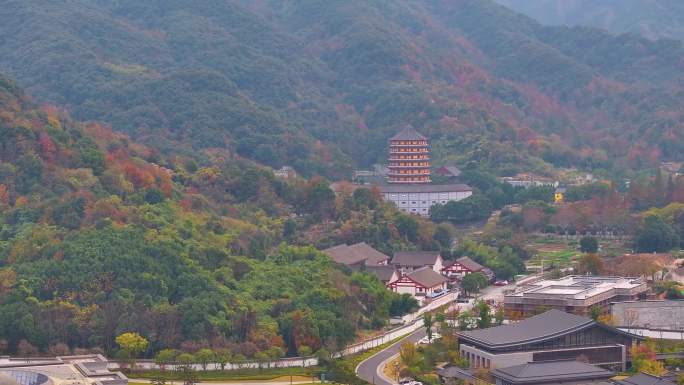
(662, 315)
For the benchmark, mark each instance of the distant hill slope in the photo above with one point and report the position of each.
(653, 19)
(322, 85)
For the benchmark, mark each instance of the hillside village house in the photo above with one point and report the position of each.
(357, 254)
(463, 266)
(386, 274)
(363, 257)
(419, 283)
(408, 261)
(528, 180)
(449, 171)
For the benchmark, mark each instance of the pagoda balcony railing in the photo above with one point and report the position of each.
(402, 181)
(395, 152)
(408, 145)
(391, 166)
(424, 158)
(409, 174)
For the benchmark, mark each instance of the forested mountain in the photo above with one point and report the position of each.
(100, 235)
(653, 19)
(322, 85)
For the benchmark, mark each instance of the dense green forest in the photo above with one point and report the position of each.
(322, 85)
(100, 235)
(146, 202)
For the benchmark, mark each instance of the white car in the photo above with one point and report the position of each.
(409, 381)
(425, 340)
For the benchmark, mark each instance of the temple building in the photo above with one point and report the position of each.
(409, 185)
(409, 157)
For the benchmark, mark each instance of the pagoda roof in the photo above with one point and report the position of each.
(408, 133)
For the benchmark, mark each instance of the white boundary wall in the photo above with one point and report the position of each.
(412, 321)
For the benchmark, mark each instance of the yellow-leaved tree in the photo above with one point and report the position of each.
(133, 344)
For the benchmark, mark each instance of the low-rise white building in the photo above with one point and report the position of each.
(418, 198)
(420, 283)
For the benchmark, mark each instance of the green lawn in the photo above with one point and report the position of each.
(563, 258)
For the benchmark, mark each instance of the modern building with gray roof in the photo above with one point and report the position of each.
(552, 335)
(645, 379)
(551, 372)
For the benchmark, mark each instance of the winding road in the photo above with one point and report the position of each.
(371, 368)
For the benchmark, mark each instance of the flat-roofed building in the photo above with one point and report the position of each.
(65, 370)
(553, 335)
(573, 294)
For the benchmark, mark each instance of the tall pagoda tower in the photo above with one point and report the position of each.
(409, 157)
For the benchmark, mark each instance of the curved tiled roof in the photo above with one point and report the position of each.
(427, 277)
(645, 379)
(550, 324)
(408, 133)
(344, 254)
(415, 258)
(373, 257)
(541, 327)
(551, 371)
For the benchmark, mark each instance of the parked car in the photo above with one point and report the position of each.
(501, 282)
(409, 381)
(425, 340)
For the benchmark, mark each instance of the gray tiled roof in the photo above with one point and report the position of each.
(373, 257)
(384, 273)
(453, 170)
(415, 258)
(470, 264)
(549, 324)
(424, 188)
(356, 254)
(427, 277)
(344, 254)
(551, 372)
(408, 133)
(645, 379)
